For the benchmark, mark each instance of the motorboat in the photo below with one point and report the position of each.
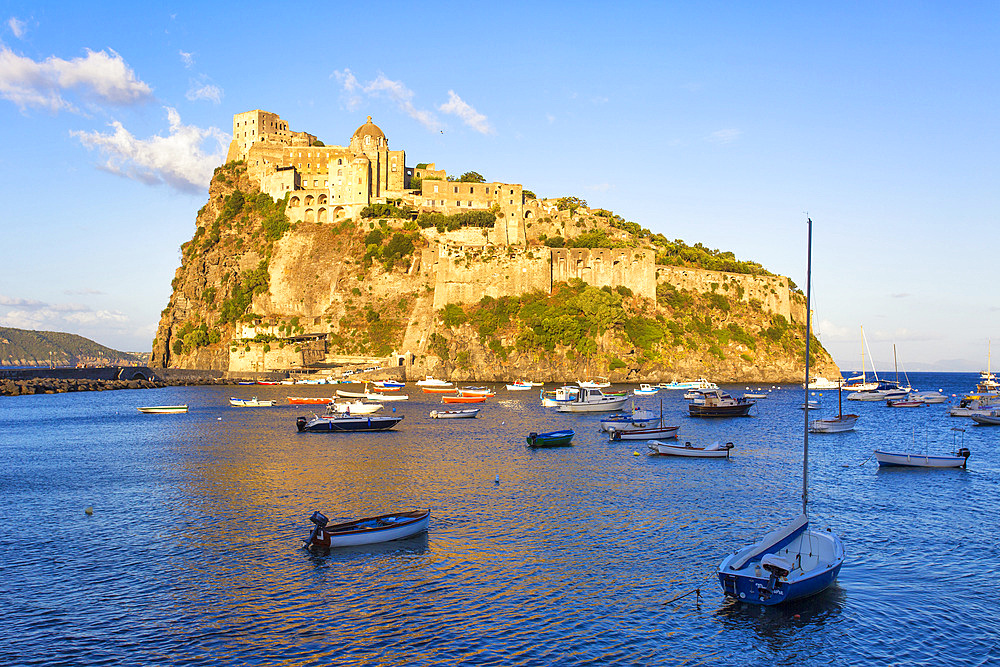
(909, 459)
(251, 402)
(388, 385)
(551, 399)
(353, 407)
(430, 381)
(929, 396)
(810, 405)
(986, 417)
(973, 403)
(345, 423)
(715, 450)
(551, 439)
(700, 383)
(637, 418)
(647, 433)
(592, 400)
(720, 404)
(450, 389)
(599, 383)
(163, 409)
(476, 391)
(520, 386)
(905, 402)
(464, 399)
(370, 530)
(468, 413)
(645, 390)
(820, 382)
(793, 561)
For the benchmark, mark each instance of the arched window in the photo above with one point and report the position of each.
(293, 202)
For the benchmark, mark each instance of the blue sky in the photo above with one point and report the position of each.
(719, 123)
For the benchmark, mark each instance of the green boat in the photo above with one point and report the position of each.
(553, 439)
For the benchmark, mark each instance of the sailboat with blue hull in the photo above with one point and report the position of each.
(795, 560)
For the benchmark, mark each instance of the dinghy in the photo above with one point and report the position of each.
(370, 530)
(793, 561)
(713, 451)
(552, 439)
(251, 402)
(455, 414)
(957, 459)
(163, 409)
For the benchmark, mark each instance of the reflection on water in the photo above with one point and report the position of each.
(574, 555)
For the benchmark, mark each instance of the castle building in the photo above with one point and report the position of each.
(327, 183)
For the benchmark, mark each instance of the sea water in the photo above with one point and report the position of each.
(594, 554)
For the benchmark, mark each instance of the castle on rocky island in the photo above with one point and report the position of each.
(327, 183)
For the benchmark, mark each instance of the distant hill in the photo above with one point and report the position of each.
(23, 347)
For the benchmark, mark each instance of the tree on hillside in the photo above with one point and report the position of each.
(469, 177)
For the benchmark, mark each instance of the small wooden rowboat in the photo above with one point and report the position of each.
(163, 409)
(463, 399)
(552, 439)
(370, 530)
(713, 451)
(469, 413)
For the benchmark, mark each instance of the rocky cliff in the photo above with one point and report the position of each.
(255, 293)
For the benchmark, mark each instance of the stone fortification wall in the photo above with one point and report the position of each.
(465, 274)
(773, 292)
(607, 267)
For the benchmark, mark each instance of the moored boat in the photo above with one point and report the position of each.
(718, 403)
(905, 403)
(713, 451)
(519, 386)
(430, 381)
(592, 400)
(251, 402)
(438, 390)
(599, 383)
(463, 399)
(986, 417)
(313, 400)
(475, 391)
(958, 459)
(648, 433)
(353, 408)
(839, 424)
(163, 409)
(468, 413)
(388, 385)
(370, 530)
(637, 417)
(700, 383)
(551, 439)
(645, 390)
(345, 423)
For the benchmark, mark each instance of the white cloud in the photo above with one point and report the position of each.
(204, 91)
(382, 86)
(17, 26)
(352, 98)
(32, 314)
(726, 136)
(178, 160)
(85, 291)
(187, 59)
(457, 106)
(101, 75)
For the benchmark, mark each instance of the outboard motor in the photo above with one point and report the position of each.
(779, 569)
(964, 452)
(320, 521)
(300, 424)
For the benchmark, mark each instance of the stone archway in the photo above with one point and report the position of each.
(294, 202)
(338, 212)
(309, 200)
(310, 215)
(321, 200)
(321, 216)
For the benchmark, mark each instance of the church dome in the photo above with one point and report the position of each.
(369, 135)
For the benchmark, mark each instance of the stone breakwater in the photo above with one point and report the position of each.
(62, 385)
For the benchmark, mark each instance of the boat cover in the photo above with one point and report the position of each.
(773, 541)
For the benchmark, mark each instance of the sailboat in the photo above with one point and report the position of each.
(837, 424)
(860, 382)
(793, 561)
(987, 381)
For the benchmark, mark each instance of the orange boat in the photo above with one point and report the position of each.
(475, 391)
(463, 399)
(310, 400)
(438, 390)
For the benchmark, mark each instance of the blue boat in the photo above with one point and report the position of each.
(340, 423)
(552, 439)
(793, 561)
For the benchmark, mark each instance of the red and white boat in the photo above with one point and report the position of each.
(476, 391)
(463, 399)
(311, 400)
(438, 390)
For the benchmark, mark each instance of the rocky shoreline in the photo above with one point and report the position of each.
(44, 385)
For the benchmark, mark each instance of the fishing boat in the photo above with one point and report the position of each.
(838, 424)
(430, 381)
(592, 400)
(718, 403)
(370, 530)
(311, 400)
(552, 439)
(268, 382)
(469, 413)
(793, 561)
(974, 403)
(251, 402)
(645, 390)
(343, 393)
(551, 399)
(345, 422)
(648, 433)
(463, 399)
(163, 409)
(388, 385)
(957, 459)
(713, 451)
(378, 396)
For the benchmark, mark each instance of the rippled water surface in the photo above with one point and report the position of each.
(565, 556)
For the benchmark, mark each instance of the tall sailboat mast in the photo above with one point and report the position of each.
(805, 444)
